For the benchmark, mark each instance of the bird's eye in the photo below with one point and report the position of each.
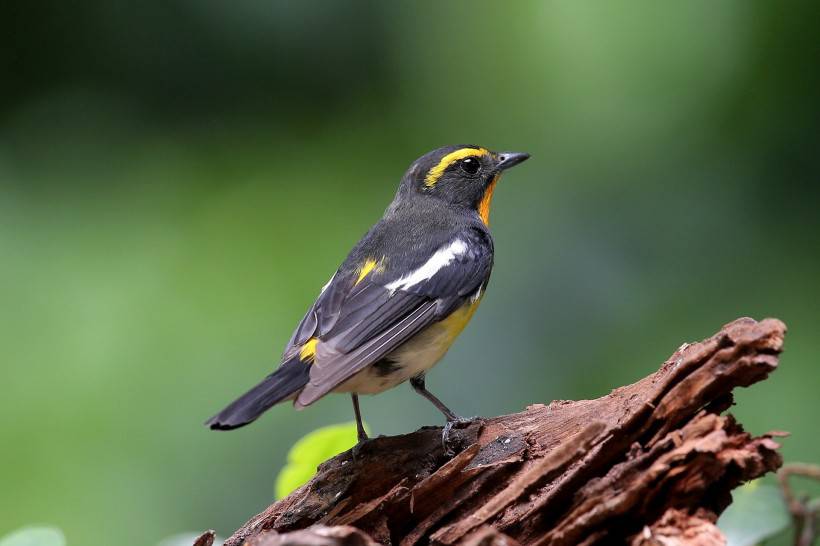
(470, 165)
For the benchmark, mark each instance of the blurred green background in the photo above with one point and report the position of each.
(178, 179)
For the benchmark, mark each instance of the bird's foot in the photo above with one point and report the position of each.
(356, 450)
(457, 422)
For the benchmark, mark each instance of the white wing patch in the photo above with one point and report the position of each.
(327, 284)
(437, 261)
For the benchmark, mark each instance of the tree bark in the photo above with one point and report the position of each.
(650, 463)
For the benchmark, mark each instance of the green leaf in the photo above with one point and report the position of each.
(310, 451)
(757, 512)
(34, 536)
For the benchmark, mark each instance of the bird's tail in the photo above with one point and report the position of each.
(287, 380)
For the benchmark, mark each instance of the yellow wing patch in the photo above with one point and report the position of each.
(308, 352)
(436, 172)
(367, 267)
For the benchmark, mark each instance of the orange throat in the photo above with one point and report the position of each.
(484, 204)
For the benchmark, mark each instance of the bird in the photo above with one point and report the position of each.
(401, 297)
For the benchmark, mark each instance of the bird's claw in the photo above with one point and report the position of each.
(355, 450)
(448, 428)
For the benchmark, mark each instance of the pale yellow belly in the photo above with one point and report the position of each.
(415, 356)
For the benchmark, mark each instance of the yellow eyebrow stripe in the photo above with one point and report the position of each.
(436, 172)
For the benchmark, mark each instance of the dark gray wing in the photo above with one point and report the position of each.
(378, 314)
(324, 312)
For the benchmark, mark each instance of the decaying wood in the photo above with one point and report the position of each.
(650, 463)
(678, 528)
(206, 538)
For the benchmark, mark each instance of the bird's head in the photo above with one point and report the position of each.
(461, 175)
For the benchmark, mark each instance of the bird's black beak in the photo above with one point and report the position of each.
(510, 159)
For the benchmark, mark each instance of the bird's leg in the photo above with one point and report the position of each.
(418, 385)
(452, 418)
(360, 432)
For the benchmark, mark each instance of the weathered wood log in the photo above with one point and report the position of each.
(650, 463)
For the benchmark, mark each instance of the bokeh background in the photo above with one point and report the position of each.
(178, 179)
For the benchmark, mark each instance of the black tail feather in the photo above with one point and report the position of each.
(278, 386)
